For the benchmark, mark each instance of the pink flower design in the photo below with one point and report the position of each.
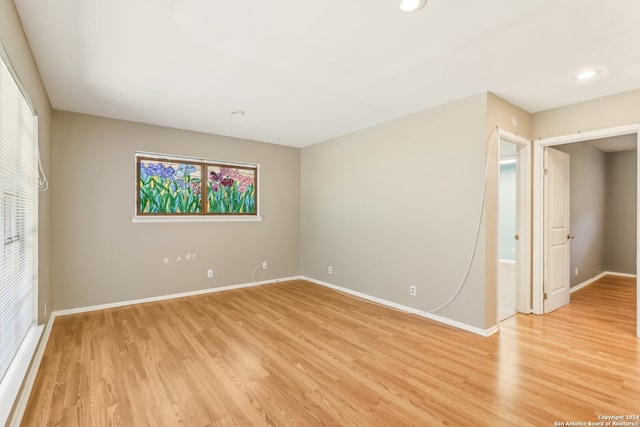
(195, 186)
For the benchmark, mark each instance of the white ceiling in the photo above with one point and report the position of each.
(306, 71)
(616, 143)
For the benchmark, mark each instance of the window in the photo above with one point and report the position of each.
(181, 186)
(18, 217)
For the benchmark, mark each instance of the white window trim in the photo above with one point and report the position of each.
(199, 218)
(150, 219)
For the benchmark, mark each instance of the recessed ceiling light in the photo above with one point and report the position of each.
(588, 74)
(237, 113)
(410, 6)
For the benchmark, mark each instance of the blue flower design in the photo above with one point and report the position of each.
(187, 168)
(167, 172)
(154, 170)
(182, 184)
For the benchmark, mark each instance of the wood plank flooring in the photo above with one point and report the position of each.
(296, 353)
(506, 289)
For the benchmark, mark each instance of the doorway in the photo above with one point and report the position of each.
(514, 225)
(507, 225)
(538, 268)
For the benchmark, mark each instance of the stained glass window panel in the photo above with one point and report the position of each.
(169, 187)
(231, 190)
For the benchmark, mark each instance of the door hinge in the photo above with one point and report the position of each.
(546, 171)
(517, 237)
(546, 296)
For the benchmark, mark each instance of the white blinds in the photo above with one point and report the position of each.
(18, 217)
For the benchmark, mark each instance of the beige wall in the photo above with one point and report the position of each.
(616, 110)
(397, 204)
(363, 208)
(501, 113)
(621, 214)
(100, 256)
(17, 48)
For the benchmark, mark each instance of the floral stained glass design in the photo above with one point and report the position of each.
(169, 187)
(191, 187)
(231, 190)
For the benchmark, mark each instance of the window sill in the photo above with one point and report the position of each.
(16, 375)
(168, 219)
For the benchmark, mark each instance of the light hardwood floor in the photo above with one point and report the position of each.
(296, 353)
(506, 289)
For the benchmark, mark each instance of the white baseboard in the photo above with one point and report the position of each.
(597, 277)
(431, 316)
(166, 297)
(613, 273)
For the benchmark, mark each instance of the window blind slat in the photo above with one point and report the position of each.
(18, 216)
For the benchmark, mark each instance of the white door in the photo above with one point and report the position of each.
(557, 231)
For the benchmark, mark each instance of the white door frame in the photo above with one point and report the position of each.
(523, 251)
(537, 259)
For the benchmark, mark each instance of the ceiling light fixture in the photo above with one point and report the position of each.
(585, 75)
(411, 6)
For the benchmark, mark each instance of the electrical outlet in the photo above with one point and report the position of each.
(210, 273)
(412, 290)
(576, 273)
(330, 270)
(264, 265)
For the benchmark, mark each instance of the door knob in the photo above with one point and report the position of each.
(570, 236)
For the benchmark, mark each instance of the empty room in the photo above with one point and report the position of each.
(293, 213)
